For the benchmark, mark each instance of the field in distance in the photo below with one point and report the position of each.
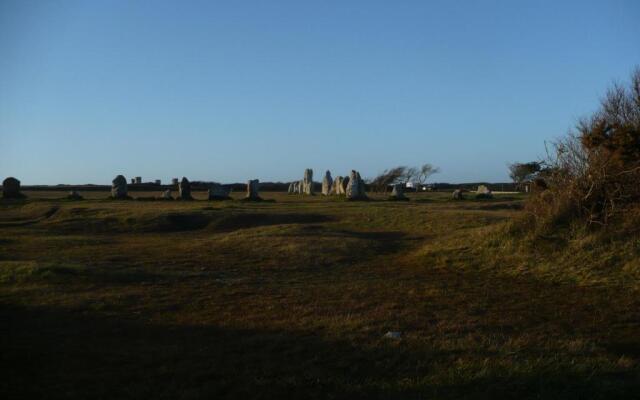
(293, 298)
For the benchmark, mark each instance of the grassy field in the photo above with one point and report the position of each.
(292, 299)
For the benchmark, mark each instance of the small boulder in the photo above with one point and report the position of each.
(398, 192)
(74, 195)
(483, 192)
(457, 195)
(166, 195)
(395, 335)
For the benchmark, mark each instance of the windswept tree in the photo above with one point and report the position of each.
(524, 172)
(403, 174)
(390, 176)
(425, 172)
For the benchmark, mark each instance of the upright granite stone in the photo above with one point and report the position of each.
(184, 189)
(327, 183)
(218, 192)
(11, 188)
(253, 188)
(457, 195)
(398, 192)
(355, 187)
(307, 182)
(119, 188)
(345, 183)
(336, 188)
(291, 188)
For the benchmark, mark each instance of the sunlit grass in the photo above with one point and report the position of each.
(293, 298)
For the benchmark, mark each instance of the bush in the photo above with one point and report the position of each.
(592, 177)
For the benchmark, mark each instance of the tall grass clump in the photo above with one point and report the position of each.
(591, 179)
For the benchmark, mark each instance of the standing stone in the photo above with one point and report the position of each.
(184, 189)
(345, 183)
(334, 187)
(253, 187)
(11, 188)
(290, 189)
(218, 192)
(119, 187)
(355, 187)
(398, 192)
(166, 195)
(307, 182)
(340, 186)
(133, 181)
(138, 180)
(327, 183)
(457, 194)
(174, 181)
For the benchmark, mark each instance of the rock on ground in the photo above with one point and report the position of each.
(484, 192)
(166, 195)
(398, 192)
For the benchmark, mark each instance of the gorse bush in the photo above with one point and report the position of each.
(592, 176)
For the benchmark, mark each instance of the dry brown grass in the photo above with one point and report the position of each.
(291, 299)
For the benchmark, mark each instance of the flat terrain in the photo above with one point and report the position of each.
(292, 299)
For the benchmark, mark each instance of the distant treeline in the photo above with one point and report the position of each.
(264, 186)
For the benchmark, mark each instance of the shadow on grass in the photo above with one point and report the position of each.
(28, 220)
(80, 221)
(26, 272)
(52, 353)
(232, 222)
(480, 205)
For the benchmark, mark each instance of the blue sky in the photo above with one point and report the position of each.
(234, 90)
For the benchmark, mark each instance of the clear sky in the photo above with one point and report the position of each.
(232, 90)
